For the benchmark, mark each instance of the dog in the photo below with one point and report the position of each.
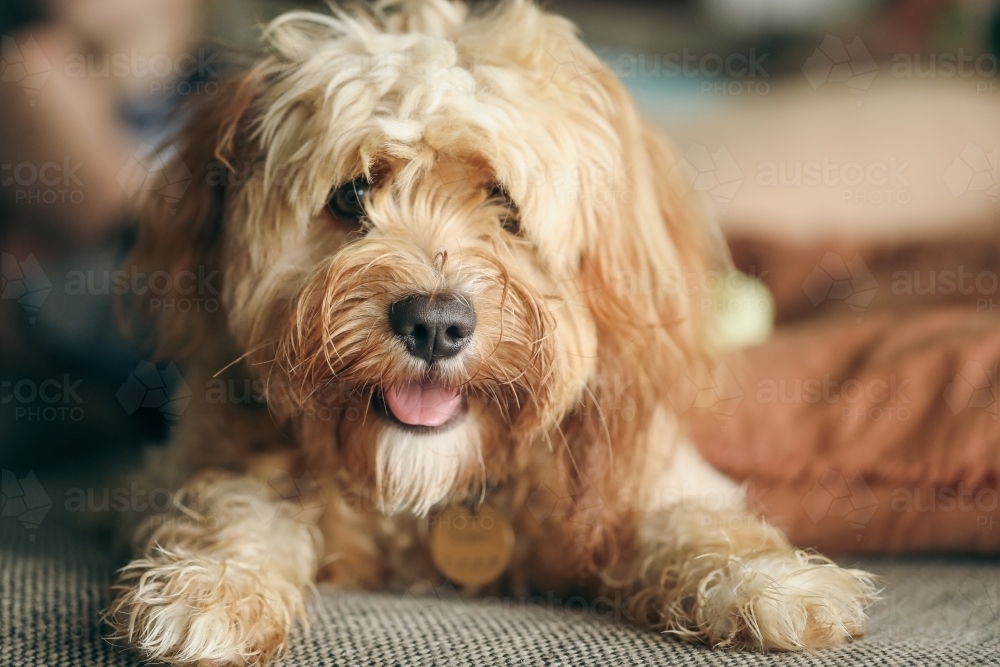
(449, 254)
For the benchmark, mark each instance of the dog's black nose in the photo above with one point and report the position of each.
(433, 327)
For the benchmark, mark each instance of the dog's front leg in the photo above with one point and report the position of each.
(219, 579)
(708, 570)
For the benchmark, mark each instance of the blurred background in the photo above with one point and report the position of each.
(812, 121)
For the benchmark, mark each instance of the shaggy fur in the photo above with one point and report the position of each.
(506, 165)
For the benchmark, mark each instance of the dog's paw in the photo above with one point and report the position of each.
(202, 611)
(781, 602)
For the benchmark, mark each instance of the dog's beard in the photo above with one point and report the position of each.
(416, 471)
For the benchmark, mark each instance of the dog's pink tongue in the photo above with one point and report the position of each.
(419, 405)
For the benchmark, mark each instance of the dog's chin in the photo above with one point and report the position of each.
(425, 408)
(428, 449)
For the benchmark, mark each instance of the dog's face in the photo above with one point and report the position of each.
(448, 235)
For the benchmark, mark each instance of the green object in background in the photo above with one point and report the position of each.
(743, 312)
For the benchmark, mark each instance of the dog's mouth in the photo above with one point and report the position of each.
(421, 406)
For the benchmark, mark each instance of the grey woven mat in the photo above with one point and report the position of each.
(936, 612)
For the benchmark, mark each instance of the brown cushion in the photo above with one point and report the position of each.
(877, 432)
(843, 277)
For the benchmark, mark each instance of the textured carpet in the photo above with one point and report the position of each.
(935, 612)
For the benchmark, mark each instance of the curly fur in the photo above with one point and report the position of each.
(584, 320)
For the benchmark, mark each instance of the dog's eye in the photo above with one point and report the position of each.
(511, 220)
(347, 202)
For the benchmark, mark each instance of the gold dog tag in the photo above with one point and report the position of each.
(471, 549)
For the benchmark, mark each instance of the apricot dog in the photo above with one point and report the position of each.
(442, 237)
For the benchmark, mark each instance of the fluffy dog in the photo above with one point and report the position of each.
(451, 260)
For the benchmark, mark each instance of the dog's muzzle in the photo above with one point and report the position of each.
(432, 327)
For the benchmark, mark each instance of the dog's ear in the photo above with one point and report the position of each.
(641, 274)
(644, 267)
(175, 291)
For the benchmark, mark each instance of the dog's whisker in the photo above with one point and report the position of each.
(242, 357)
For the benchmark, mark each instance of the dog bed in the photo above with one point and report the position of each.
(868, 421)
